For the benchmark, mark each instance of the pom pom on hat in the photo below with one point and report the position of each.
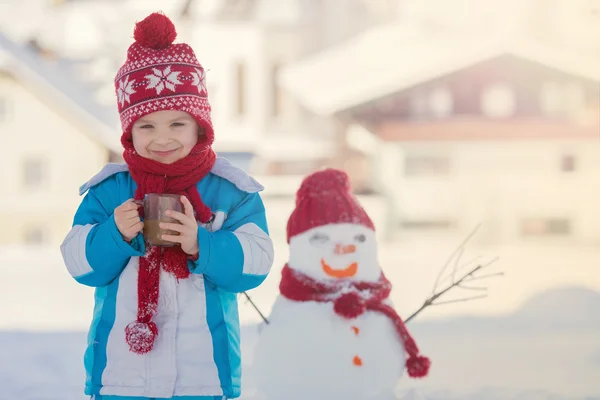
(154, 54)
(156, 31)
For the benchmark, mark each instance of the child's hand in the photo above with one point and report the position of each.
(128, 220)
(188, 229)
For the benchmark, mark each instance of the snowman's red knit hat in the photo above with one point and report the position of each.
(325, 198)
(159, 75)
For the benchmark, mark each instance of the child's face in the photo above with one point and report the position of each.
(165, 136)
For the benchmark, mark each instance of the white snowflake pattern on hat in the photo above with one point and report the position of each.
(163, 75)
(199, 80)
(125, 90)
(165, 78)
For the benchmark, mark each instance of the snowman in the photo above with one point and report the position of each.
(333, 333)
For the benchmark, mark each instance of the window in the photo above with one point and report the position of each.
(550, 98)
(545, 227)
(498, 101)
(427, 224)
(34, 173)
(34, 236)
(441, 102)
(3, 109)
(574, 96)
(418, 104)
(426, 165)
(276, 92)
(567, 163)
(592, 11)
(240, 89)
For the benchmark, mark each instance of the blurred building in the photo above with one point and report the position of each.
(58, 59)
(415, 99)
(457, 128)
(54, 138)
(241, 43)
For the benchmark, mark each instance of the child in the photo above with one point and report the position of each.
(165, 322)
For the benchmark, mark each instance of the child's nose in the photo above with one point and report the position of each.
(344, 249)
(162, 138)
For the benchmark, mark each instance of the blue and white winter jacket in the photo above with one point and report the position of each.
(197, 350)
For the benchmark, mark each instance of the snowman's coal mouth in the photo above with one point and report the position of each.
(347, 272)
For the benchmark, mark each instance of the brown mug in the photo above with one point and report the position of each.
(155, 205)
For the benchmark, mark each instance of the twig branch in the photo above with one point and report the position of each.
(455, 269)
(469, 276)
(256, 308)
(477, 278)
(459, 249)
(460, 300)
(463, 267)
(472, 287)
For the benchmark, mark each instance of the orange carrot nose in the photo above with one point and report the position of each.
(341, 249)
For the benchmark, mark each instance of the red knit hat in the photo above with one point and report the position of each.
(324, 198)
(159, 75)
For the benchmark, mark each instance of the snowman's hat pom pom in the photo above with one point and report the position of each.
(323, 182)
(156, 31)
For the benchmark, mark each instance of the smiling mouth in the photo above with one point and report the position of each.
(164, 153)
(347, 272)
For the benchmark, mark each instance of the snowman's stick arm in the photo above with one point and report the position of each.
(461, 300)
(457, 254)
(256, 308)
(476, 278)
(465, 278)
(435, 296)
(476, 288)
(450, 278)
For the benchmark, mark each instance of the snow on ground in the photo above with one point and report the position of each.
(497, 358)
(543, 351)
(41, 365)
(544, 348)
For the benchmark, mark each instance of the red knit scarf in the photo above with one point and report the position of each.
(151, 176)
(351, 299)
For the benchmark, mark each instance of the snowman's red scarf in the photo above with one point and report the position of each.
(351, 299)
(151, 176)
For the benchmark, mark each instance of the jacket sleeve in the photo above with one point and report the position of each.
(94, 251)
(239, 256)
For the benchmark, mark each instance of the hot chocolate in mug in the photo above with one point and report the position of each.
(155, 205)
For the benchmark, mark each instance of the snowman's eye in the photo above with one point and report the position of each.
(360, 238)
(318, 238)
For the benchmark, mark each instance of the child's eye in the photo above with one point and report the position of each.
(176, 124)
(147, 126)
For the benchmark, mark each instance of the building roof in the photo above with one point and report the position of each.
(54, 80)
(394, 57)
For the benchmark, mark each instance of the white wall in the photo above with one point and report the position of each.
(219, 47)
(31, 128)
(499, 184)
